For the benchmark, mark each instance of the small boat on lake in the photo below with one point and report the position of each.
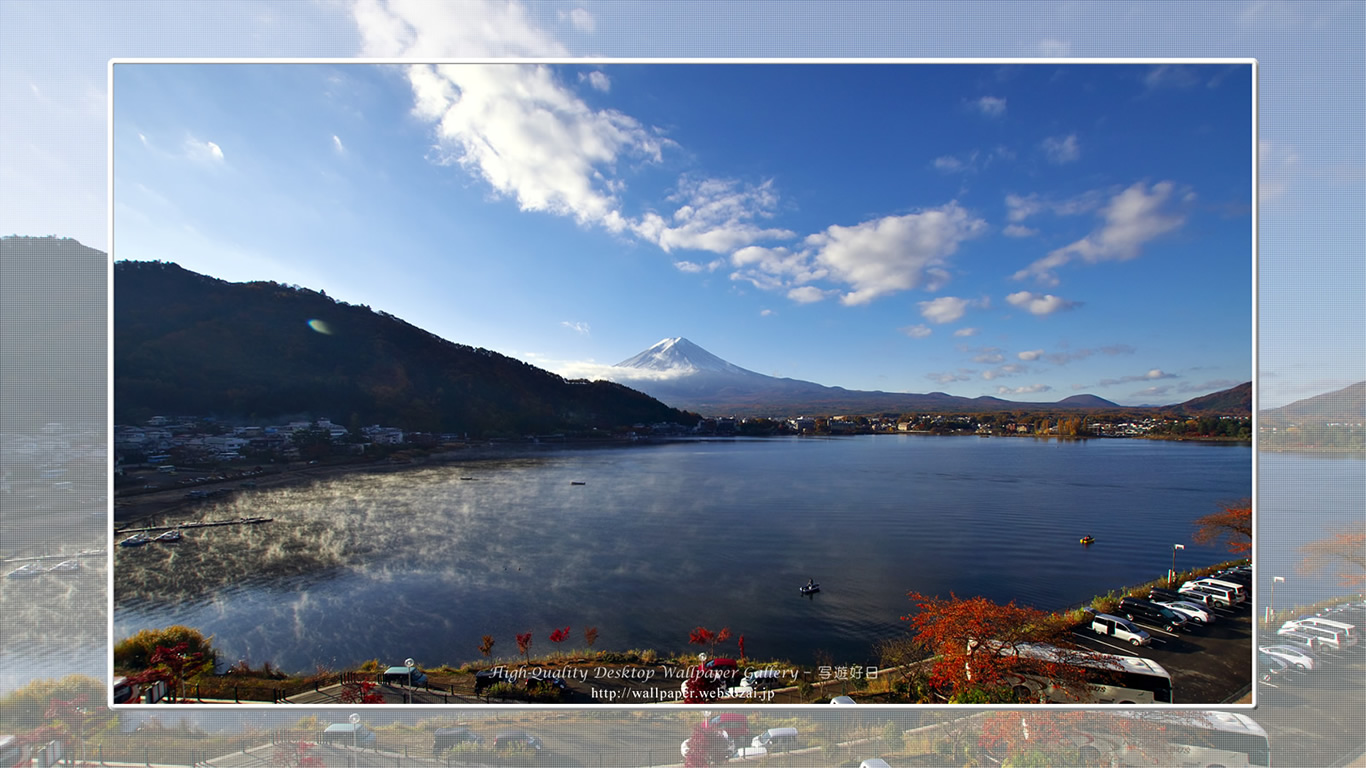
(170, 537)
(66, 566)
(810, 588)
(136, 540)
(1087, 540)
(577, 482)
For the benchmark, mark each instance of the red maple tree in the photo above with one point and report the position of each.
(1347, 546)
(559, 635)
(983, 649)
(705, 747)
(524, 646)
(1232, 524)
(361, 692)
(704, 636)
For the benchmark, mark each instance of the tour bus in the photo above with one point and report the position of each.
(1110, 679)
(1198, 738)
(12, 752)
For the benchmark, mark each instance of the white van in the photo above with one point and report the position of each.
(1239, 589)
(1347, 632)
(776, 740)
(1120, 629)
(1220, 595)
(1327, 638)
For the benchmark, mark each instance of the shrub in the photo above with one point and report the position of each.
(135, 653)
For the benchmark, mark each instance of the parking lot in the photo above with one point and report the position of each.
(1208, 665)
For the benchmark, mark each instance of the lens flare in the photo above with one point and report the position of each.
(320, 326)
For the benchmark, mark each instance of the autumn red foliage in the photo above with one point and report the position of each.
(524, 645)
(361, 692)
(559, 635)
(1346, 547)
(704, 636)
(982, 648)
(296, 754)
(706, 747)
(1232, 525)
(590, 636)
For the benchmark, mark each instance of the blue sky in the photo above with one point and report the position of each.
(53, 169)
(1024, 230)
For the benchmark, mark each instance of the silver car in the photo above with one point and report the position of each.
(1301, 660)
(1192, 611)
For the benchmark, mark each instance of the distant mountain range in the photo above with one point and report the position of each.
(1345, 406)
(53, 333)
(189, 344)
(685, 375)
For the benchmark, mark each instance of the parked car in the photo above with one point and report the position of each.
(447, 738)
(776, 740)
(1135, 609)
(488, 678)
(1300, 659)
(348, 734)
(1298, 640)
(843, 700)
(1348, 631)
(1210, 595)
(1268, 666)
(1327, 638)
(1192, 611)
(1122, 629)
(407, 676)
(1230, 591)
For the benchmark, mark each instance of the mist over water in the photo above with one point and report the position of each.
(660, 539)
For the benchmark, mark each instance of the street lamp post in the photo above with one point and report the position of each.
(1271, 604)
(1171, 578)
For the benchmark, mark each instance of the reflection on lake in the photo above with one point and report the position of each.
(661, 539)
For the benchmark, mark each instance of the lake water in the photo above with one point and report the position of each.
(660, 539)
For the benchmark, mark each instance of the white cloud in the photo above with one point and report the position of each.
(894, 253)
(988, 356)
(474, 28)
(1276, 165)
(337, 144)
(1152, 375)
(580, 328)
(531, 138)
(1032, 354)
(1031, 389)
(1021, 207)
(949, 378)
(715, 215)
(765, 313)
(1037, 304)
(948, 164)
(991, 106)
(1170, 76)
(965, 332)
(806, 294)
(1132, 218)
(203, 151)
(917, 331)
(1016, 230)
(1062, 149)
(598, 79)
(581, 19)
(944, 309)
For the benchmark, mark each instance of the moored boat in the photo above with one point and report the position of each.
(136, 540)
(170, 537)
(66, 566)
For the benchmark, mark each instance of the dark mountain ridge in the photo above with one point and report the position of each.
(186, 343)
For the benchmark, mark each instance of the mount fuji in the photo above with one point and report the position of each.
(684, 375)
